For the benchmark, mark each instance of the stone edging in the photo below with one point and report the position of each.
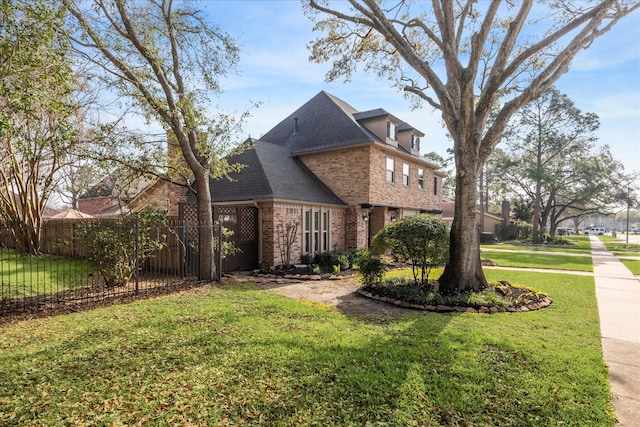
(545, 302)
(298, 277)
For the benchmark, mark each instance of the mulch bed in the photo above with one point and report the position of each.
(521, 299)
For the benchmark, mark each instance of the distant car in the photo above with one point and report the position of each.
(595, 231)
(563, 231)
(635, 230)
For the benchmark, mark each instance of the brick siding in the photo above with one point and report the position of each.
(273, 214)
(358, 176)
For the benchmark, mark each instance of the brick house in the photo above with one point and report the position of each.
(337, 173)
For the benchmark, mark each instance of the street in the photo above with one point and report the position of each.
(633, 237)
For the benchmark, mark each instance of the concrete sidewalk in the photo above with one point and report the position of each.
(618, 295)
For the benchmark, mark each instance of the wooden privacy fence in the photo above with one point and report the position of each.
(72, 272)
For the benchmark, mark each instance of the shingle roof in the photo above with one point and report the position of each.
(270, 172)
(323, 122)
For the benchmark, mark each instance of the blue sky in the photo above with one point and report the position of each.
(274, 70)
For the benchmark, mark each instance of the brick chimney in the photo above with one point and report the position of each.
(177, 170)
(506, 211)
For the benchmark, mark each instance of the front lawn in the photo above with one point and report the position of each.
(239, 355)
(570, 244)
(633, 265)
(549, 261)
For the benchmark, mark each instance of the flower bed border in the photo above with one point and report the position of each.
(544, 302)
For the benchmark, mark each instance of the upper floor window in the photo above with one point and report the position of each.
(391, 165)
(415, 142)
(421, 178)
(435, 185)
(405, 173)
(392, 131)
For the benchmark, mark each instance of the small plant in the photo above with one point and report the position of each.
(287, 234)
(316, 269)
(336, 269)
(306, 259)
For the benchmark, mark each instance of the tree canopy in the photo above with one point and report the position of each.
(167, 60)
(36, 113)
(464, 59)
(551, 158)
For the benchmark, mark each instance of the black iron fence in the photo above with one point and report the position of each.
(79, 264)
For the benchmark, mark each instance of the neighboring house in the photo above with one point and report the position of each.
(48, 212)
(487, 224)
(337, 173)
(110, 198)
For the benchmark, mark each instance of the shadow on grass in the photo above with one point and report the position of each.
(239, 354)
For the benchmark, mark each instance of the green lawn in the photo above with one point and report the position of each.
(524, 260)
(26, 275)
(574, 244)
(619, 247)
(633, 265)
(239, 355)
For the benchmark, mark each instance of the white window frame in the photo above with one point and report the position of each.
(405, 174)
(392, 131)
(415, 142)
(421, 178)
(391, 172)
(316, 231)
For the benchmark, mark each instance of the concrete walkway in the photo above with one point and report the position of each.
(618, 295)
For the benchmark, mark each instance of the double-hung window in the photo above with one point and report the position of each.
(392, 131)
(391, 165)
(405, 174)
(421, 178)
(415, 142)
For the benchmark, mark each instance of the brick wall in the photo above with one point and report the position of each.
(358, 176)
(94, 204)
(345, 172)
(274, 214)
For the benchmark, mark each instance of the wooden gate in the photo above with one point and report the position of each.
(243, 222)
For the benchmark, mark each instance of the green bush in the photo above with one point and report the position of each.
(420, 240)
(505, 232)
(371, 268)
(120, 247)
(306, 259)
(331, 258)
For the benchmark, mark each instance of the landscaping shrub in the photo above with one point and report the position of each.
(332, 258)
(371, 268)
(119, 249)
(420, 240)
(505, 232)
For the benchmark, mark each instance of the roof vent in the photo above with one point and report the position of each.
(295, 125)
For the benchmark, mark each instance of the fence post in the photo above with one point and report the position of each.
(137, 265)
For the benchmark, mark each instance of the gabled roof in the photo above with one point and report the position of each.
(109, 186)
(406, 127)
(326, 122)
(323, 122)
(374, 114)
(270, 172)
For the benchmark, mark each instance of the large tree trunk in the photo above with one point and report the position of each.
(206, 262)
(464, 269)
